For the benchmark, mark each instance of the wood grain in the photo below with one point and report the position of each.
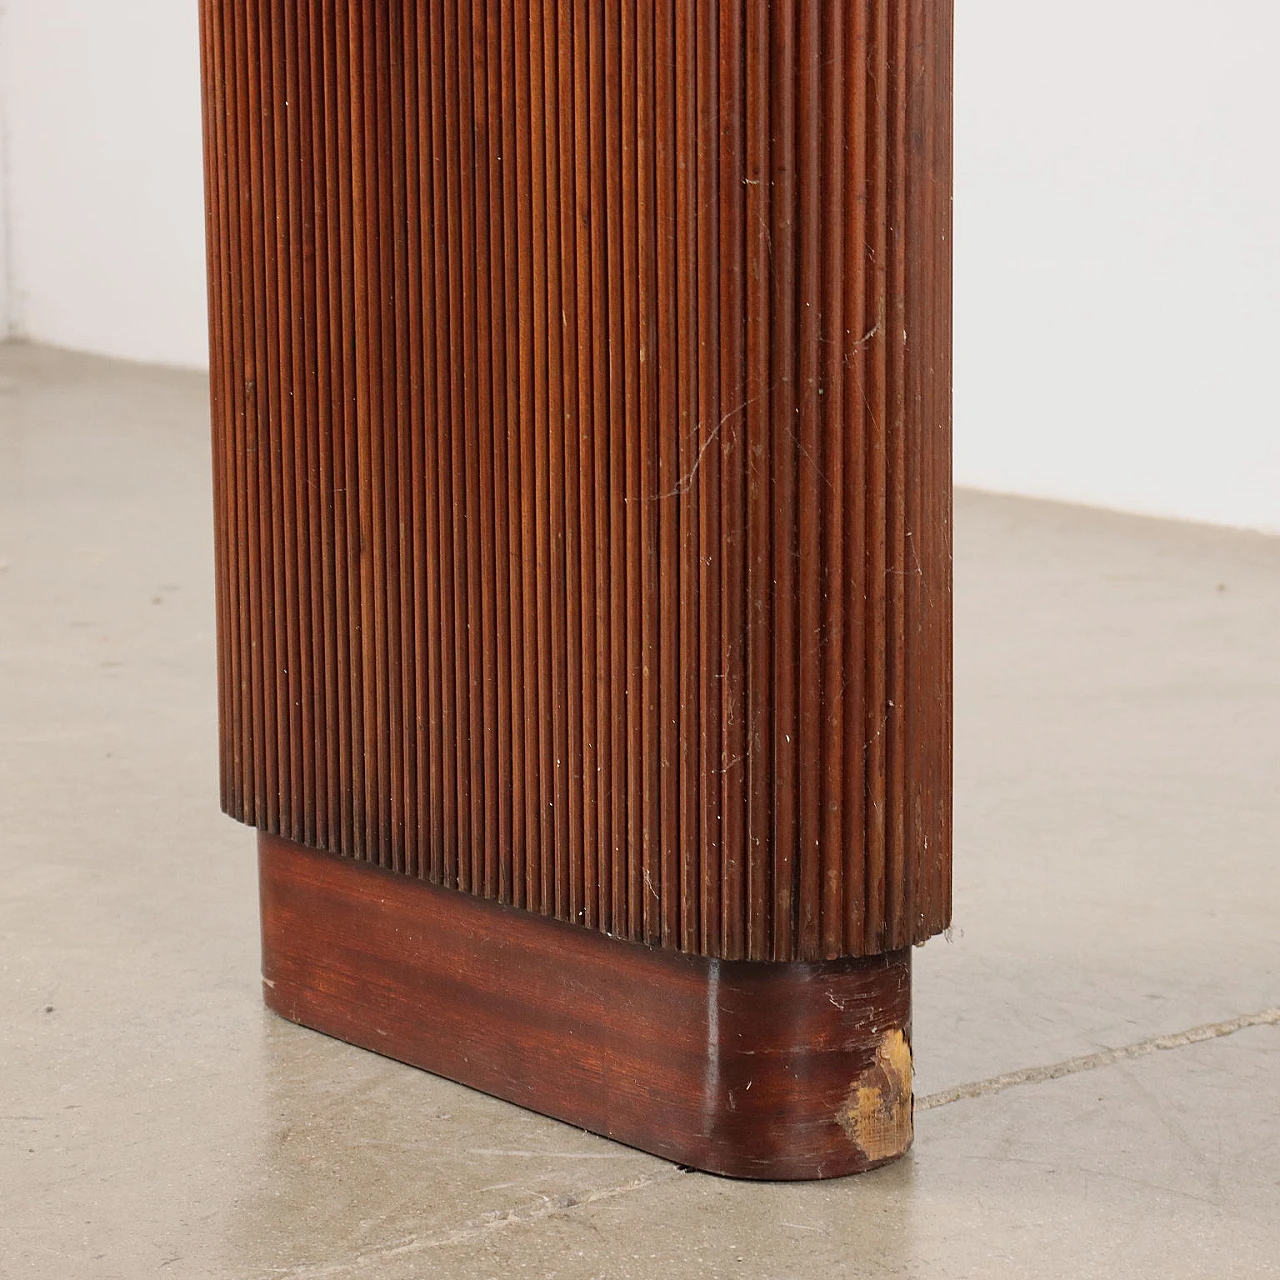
(777, 1070)
(581, 401)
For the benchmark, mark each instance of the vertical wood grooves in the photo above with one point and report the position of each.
(581, 394)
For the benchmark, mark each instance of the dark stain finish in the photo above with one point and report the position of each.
(735, 1067)
(581, 402)
(581, 386)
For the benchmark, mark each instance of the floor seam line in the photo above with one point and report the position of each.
(469, 1231)
(502, 1219)
(1094, 1061)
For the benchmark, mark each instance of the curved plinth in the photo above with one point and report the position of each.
(755, 1070)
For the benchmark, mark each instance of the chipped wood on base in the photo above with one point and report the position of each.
(733, 1067)
(878, 1115)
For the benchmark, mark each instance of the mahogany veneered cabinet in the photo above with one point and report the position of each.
(581, 410)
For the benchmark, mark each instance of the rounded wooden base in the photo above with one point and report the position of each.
(781, 1071)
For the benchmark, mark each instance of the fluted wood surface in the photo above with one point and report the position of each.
(581, 396)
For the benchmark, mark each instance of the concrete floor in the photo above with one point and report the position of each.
(1118, 734)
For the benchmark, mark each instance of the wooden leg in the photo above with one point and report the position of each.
(581, 459)
(756, 1070)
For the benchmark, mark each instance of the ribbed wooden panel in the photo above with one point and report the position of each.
(582, 424)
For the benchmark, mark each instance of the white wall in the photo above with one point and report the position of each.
(1117, 231)
(105, 210)
(6, 320)
(1118, 254)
